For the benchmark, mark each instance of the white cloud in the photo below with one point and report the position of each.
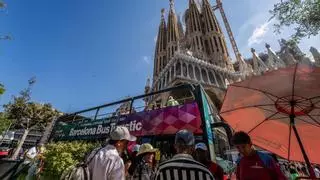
(259, 33)
(146, 59)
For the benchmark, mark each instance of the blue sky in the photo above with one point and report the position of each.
(86, 53)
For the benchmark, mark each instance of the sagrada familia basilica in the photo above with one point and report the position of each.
(197, 54)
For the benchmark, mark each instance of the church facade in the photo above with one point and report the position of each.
(196, 53)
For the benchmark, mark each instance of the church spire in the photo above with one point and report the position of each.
(161, 45)
(172, 33)
(180, 28)
(258, 65)
(193, 21)
(274, 60)
(172, 6)
(215, 42)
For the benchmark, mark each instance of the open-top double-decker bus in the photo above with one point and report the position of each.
(153, 123)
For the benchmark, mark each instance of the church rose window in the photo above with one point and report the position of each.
(197, 72)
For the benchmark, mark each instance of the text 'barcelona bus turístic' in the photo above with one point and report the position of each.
(155, 123)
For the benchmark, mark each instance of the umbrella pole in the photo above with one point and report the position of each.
(310, 169)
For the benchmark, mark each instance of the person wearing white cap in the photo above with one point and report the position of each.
(182, 166)
(107, 164)
(202, 155)
(144, 170)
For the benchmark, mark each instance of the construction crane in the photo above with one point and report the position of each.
(228, 28)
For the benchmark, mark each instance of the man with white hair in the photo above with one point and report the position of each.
(107, 163)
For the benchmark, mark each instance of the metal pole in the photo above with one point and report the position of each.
(311, 172)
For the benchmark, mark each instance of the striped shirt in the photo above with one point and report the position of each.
(183, 167)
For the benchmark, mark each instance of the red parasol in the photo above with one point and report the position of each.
(280, 110)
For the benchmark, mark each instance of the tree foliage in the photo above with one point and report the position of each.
(304, 15)
(28, 114)
(4, 122)
(62, 156)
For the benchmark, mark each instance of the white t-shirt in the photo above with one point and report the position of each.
(107, 165)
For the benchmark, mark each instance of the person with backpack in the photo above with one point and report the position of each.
(107, 163)
(201, 155)
(145, 167)
(254, 164)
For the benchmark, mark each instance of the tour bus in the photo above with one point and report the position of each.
(154, 123)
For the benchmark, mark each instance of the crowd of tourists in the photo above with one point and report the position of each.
(191, 161)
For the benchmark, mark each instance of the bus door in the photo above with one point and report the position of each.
(165, 144)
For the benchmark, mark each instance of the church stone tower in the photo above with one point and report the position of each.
(160, 51)
(172, 32)
(197, 55)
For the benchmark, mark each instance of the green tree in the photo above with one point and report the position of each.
(62, 156)
(27, 114)
(304, 15)
(4, 122)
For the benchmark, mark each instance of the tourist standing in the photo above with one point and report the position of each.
(107, 164)
(134, 159)
(202, 156)
(145, 167)
(182, 166)
(254, 164)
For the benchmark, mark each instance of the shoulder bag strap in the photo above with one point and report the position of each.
(88, 161)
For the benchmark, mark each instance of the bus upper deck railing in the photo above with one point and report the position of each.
(96, 114)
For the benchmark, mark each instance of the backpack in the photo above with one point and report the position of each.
(265, 158)
(80, 171)
(267, 161)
